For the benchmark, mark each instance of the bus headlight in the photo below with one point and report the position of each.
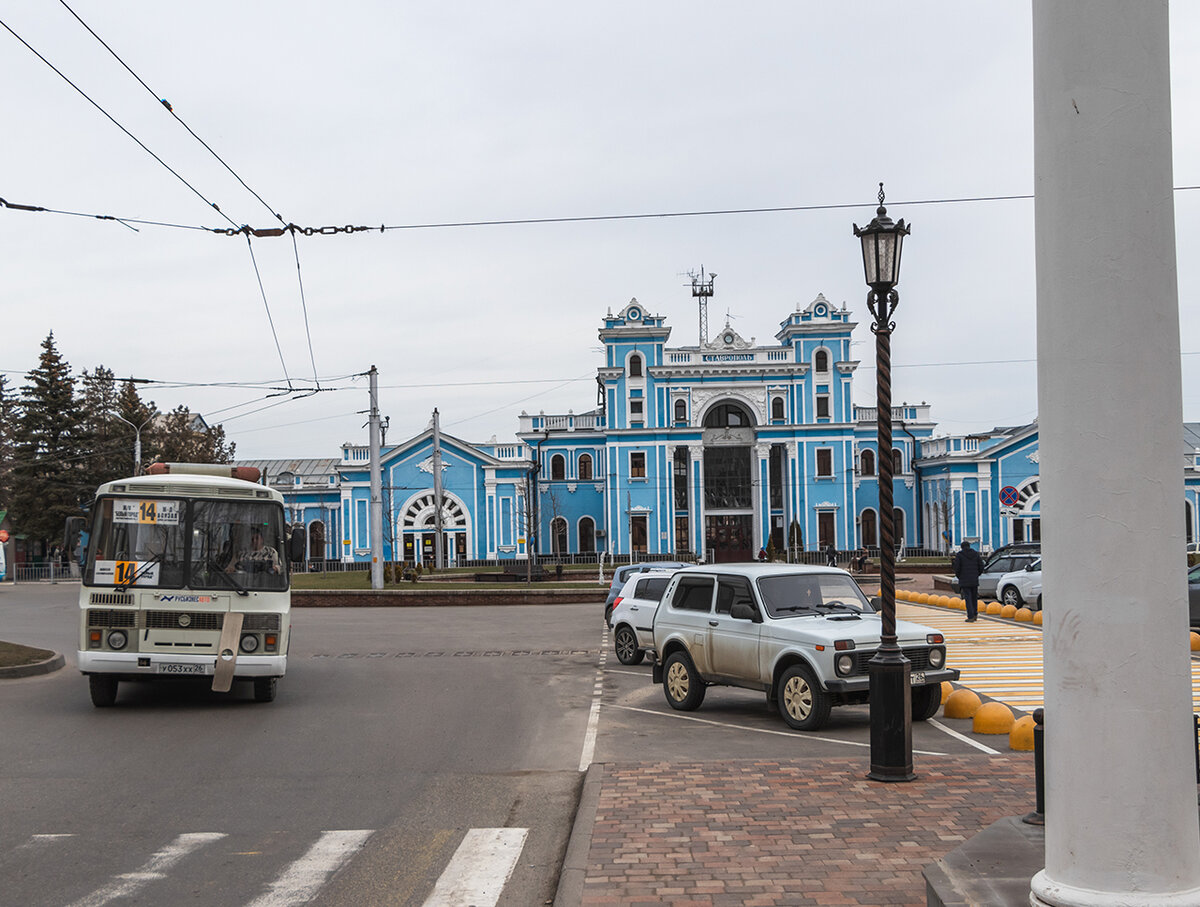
(249, 643)
(117, 639)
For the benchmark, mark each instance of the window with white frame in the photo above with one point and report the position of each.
(821, 361)
(558, 467)
(585, 467)
(825, 462)
(822, 406)
(637, 464)
(681, 412)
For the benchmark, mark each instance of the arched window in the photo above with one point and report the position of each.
(777, 409)
(821, 361)
(635, 366)
(587, 535)
(898, 526)
(585, 467)
(897, 461)
(728, 415)
(681, 412)
(867, 463)
(558, 535)
(558, 468)
(1187, 516)
(870, 532)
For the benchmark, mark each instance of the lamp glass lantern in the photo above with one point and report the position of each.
(882, 241)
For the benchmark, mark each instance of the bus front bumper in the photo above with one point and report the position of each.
(152, 665)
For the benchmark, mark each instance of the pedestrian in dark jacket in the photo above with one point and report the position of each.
(830, 556)
(968, 564)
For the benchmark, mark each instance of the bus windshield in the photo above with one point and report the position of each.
(202, 544)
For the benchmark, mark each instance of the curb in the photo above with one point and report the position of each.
(38, 667)
(574, 866)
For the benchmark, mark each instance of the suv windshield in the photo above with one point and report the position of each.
(811, 593)
(171, 542)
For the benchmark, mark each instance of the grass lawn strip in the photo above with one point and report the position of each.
(13, 655)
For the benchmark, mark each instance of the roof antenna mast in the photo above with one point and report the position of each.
(702, 290)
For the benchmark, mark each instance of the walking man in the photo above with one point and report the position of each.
(967, 566)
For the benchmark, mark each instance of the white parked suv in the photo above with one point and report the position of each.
(801, 634)
(633, 614)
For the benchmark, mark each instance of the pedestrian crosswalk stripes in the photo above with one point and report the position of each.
(998, 659)
(476, 874)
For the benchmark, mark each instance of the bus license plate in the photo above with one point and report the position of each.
(917, 677)
(173, 668)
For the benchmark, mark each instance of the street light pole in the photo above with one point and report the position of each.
(891, 699)
(137, 442)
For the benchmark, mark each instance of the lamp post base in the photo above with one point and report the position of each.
(891, 716)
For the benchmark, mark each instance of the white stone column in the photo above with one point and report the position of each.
(1121, 815)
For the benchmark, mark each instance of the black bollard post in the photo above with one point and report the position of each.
(1038, 816)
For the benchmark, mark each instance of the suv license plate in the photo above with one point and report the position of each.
(917, 677)
(172, 668)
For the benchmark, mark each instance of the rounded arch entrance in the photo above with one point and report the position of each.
(730, 430)
(418, 529)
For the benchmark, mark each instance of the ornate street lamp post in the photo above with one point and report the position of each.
(891, 701)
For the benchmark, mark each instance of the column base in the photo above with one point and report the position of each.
(1047, 893)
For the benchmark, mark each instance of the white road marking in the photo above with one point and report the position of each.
(302, 879)
(964, 738)
(479, 869)
(127, 884)
(795, 735)
(593, 725)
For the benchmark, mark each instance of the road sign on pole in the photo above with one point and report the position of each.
(1009, 496)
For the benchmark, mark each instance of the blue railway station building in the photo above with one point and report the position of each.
(705, 452)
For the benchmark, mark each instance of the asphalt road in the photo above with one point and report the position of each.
(395, 734)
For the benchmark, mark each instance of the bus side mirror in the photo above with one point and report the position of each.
(297, 544)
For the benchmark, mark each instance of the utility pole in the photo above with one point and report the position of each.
(439, 555)
(376, 515)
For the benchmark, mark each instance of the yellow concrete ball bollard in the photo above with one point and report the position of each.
(962, 703)
(993, 718)
(1024, 615)
(994, 607)
(1020, 738)
(1008, 612)
(1195, 642)
(1037, 618)
(947, 689)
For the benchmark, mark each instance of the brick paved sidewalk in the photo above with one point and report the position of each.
(803, 832)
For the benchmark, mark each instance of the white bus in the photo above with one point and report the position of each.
(186, 577)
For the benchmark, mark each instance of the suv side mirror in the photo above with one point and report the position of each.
(741, 610)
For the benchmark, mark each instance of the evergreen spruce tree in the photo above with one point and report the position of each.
(48, 479)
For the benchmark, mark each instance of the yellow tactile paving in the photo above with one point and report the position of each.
(998, 658)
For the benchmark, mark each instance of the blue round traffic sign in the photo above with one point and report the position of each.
(1009, 496)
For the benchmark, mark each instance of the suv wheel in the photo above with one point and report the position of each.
(1010, 596)
(802, 703)
(626, 642)
(926, 701)
(682, 685)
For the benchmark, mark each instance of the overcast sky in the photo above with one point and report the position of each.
(403, 114)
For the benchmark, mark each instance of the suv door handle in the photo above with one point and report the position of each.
(713, 623)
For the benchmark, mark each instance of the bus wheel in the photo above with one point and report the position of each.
(103, 688)
(264, 689)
